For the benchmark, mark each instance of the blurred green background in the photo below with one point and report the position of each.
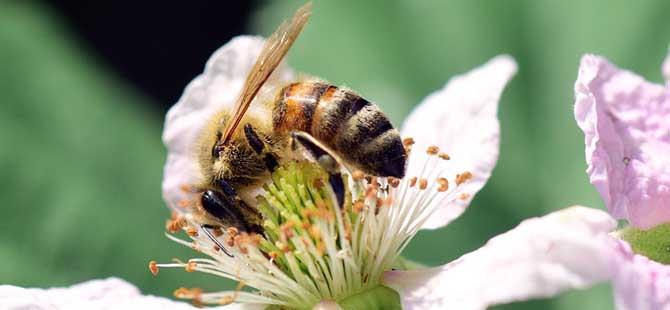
(81, 156)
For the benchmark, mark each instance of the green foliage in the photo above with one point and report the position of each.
(81, 156)
(377, 298)
(653, 243)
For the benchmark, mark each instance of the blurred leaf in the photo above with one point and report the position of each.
(81, 161)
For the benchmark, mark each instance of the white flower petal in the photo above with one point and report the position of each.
(640, 283)
(218, 87)
(461, 119)
(539, 258)
(111, 293)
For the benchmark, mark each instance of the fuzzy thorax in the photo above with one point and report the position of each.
(312, 249)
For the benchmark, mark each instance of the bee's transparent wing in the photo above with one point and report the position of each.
(276, 47)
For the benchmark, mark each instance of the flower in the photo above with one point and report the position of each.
(626, 124)
(314, 254)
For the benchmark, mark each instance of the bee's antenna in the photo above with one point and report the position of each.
(216, 241)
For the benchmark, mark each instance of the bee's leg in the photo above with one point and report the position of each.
(259, 147)
(326, 159)
(206, 229)
(246, 216)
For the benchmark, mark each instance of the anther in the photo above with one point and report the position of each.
(394, 182)
(226, 300)
(464, 196)
(232, 231)
(217, 232)
(444, 156)
(423, 183)
(433, 150)
(153, 267)
(463, 177)
(412, 182)
(230, 241)
(357, 175)
(409, 141)
(443, 184)
(190, 266)
(358, 206)
(192, 231)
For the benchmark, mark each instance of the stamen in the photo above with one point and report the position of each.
(432, 150)
(153, 267)
(407, 142)
(444, 156)
(463, 177)
(423, 183)
(357, 175)
(192, 231)
(443, 184)
(190, 266)
(412, 182)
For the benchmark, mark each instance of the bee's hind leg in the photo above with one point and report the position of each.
(326, 158)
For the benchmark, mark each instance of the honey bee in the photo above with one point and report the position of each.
(237, 151)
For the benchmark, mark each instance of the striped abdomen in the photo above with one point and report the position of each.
(353, 127)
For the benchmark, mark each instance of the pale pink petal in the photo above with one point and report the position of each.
(539, 258)
(327, 305)
(626, 124)
(216, 88)
(111, 293)
(461, 119)
(639, 283)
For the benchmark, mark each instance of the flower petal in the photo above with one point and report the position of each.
(539, 258)
(111, 293)
(640, 283)
(217, 88)
(626, 124)
(461, 119)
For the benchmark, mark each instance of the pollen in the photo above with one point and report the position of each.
(358, 206)
(192, 231)
(443, 185)
(423, 183)
(153, 267)
(217, 232)
(226, 300)
(412, 182)
(463, 177)
(190, 266)
(357, 175)
(444, 156)
(394, 182)
(232, 231)
(186, 293)
(407, 142)
(432, 150)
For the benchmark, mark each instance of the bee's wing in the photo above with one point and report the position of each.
(273, 52)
